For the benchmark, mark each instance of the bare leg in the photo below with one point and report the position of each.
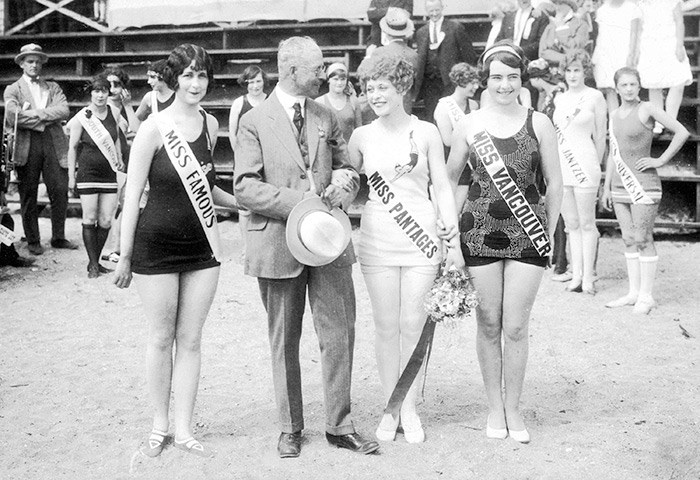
(586, 204)
(520, 284)
(673, 100)
(656, 98)
(488, 282)
(415, 284)
(383, 286)
(643, 217)
(570, 214)
(197, 290)
(159, 296)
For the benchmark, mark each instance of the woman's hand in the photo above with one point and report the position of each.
(454, 258)
(122, 274)
(344, 179)
(646, 163)
(606, 199)
(71, 182)
(444, 233)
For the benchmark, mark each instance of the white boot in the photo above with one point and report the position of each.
(633, 275)
(647, 268)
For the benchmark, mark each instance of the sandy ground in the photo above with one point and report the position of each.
(608, 395)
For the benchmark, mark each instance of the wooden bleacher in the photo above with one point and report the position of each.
(76, 56)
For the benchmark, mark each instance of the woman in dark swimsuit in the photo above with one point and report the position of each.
(170, 247)
(505, 230)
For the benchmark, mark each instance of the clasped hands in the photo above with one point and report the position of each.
(450, 236)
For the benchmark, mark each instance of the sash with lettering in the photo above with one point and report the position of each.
(568, 153)
(456, 114)
(154, 102)
(513, 196)
(428, 246)
(99, 134)
(417, 235)
(193, 179)
(7, 236)
(637, 194)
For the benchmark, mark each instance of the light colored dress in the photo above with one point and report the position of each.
(575, 117)
(382, 240)
(658, 65)
(613, 43)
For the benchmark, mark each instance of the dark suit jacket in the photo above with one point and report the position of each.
(455, 47)
(530, 42)
(270, 179)
(49, 118)
(376, 11)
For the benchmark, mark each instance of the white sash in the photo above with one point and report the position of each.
(456, 114)
(99, 134)
(193, 179)
(513, 196)
(7, 236)
(629, 181)
(154, 102)
(570, 157)
(417, 235)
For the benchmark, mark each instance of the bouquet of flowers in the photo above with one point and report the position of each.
(451, 298)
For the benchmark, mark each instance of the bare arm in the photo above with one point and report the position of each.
(76, 129)
(647, 111)
(551, 169)
(144, 108)
(457, 160)
(146, 144)
(444, 125)
(236, 107)
(635, 32)
(600, 111)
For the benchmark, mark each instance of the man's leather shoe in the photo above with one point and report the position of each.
(289, 445)
(21, 262)
(353, 442)
(63, 243)
(35, 248)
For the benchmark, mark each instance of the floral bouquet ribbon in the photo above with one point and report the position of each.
(451, 298)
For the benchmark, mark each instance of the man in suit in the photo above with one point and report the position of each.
(290, 148)
(440, 43)
(524, 27)
(378, 10)
(42, 146)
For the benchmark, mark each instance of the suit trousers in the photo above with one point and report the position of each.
(42, 161)
(432, 90)
(332, 302)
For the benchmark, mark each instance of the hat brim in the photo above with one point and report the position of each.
(297, 247)
(42, 55)
(406, 32)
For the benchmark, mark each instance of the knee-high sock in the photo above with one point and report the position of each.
(647, 271)
(633, 275)
(102, 234)
(90, 241)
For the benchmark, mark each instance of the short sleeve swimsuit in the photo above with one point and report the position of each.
(489, 231)
(95, 174)
(169, 237)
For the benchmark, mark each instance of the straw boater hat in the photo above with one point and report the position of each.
(397, 23)
(315, 235)
(31, 49)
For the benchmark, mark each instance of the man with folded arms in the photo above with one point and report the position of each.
(41, 150)
(288, 149)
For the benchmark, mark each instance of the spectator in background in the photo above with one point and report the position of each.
(565, 32)
(496, 15)
(663, 61)
(41, 146)
(440, 44)
(255, 80)
(619, 26)
(580, 120)
(524, 27)
(587, 13)
(397, 28)
(376, 11)
(453, 108)
(341, 99)
(160, 97)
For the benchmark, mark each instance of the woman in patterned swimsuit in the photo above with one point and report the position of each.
(505, 261)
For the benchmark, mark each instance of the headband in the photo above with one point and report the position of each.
(500, 48)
